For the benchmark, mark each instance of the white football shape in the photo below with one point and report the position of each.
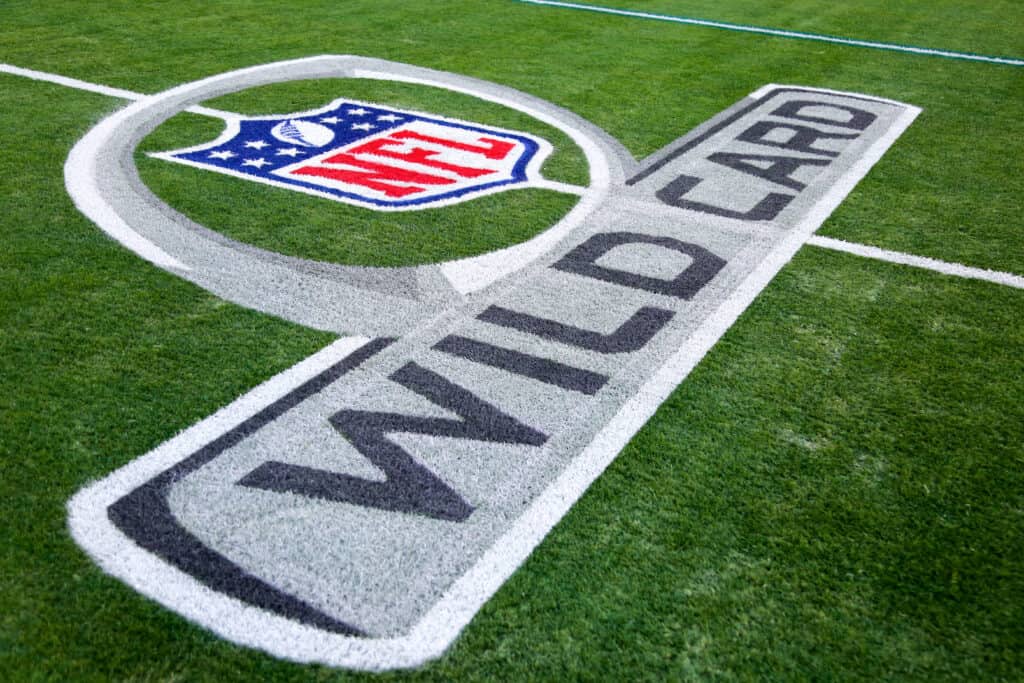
(303, 133)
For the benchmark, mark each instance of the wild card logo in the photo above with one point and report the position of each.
(359, 508)
(367, 155)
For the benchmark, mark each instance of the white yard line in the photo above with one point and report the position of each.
(781, 33)
(955, 269)
(70, 82)
(119, 93)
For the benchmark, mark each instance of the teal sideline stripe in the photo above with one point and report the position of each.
(783, 34)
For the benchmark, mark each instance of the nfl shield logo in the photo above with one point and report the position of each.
(371, 156)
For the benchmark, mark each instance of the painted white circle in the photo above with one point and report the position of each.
(101, 177)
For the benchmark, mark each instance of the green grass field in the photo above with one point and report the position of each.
(835, 493)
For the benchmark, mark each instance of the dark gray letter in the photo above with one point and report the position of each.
(410, 487)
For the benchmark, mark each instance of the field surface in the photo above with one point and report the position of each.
(835, 493)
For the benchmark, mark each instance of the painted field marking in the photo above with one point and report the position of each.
(550, 369)
(781, 33)
(862, 250)
(140, 525)
(935, 265)
(99, 89)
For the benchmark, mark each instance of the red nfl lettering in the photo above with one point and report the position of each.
(373, 156)
(496, 149)
(375, 177)
(420, 159)
(416, 155)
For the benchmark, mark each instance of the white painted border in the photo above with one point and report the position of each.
(119, 556)
(765, 90)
